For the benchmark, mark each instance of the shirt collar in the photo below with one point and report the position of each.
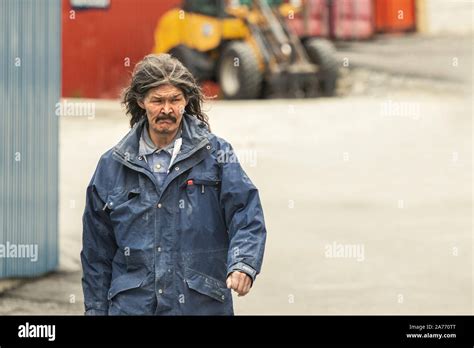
(147, 147)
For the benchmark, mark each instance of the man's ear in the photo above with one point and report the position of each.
(140, 104)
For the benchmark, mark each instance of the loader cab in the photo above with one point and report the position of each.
(221, 9)
(211, 8)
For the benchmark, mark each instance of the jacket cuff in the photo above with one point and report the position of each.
(243, 267)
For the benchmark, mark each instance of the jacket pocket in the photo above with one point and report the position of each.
(206, 285)
(132, 294)
(199, 181)
(202, 176)
(192, 182)
(125, 282)
(115, 200)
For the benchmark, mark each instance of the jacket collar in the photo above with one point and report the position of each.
(194, 134)
(147, 147)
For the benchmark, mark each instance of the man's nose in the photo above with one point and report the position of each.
(167, 107)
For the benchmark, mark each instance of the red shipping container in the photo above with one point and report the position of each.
(100, 47)
(312, 21)
(351, 19)
(395, 15)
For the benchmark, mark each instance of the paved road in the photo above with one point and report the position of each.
(441, 57)
(367, 200)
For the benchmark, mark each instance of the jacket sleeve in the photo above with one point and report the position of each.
(98, 250)
(243, 216)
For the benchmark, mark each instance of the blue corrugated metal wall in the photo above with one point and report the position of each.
(30, 86)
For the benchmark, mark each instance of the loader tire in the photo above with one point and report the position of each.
(238, 73)
(321, 52)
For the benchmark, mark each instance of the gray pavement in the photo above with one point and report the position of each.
(444, 57)
(386, 168)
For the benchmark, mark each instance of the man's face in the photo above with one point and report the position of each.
(164, 107)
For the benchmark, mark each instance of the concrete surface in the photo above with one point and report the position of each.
(441, 58)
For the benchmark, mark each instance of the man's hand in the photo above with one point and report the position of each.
(240, 282)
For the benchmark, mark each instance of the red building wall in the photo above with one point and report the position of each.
(97, 42)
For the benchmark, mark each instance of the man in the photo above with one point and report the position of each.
(171, 225)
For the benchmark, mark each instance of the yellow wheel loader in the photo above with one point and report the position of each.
(247, 48)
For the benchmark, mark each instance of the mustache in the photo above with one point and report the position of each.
(166, 117)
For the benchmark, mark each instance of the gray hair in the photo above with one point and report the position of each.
(161, 69)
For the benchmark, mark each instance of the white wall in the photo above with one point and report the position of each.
(449, 16)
